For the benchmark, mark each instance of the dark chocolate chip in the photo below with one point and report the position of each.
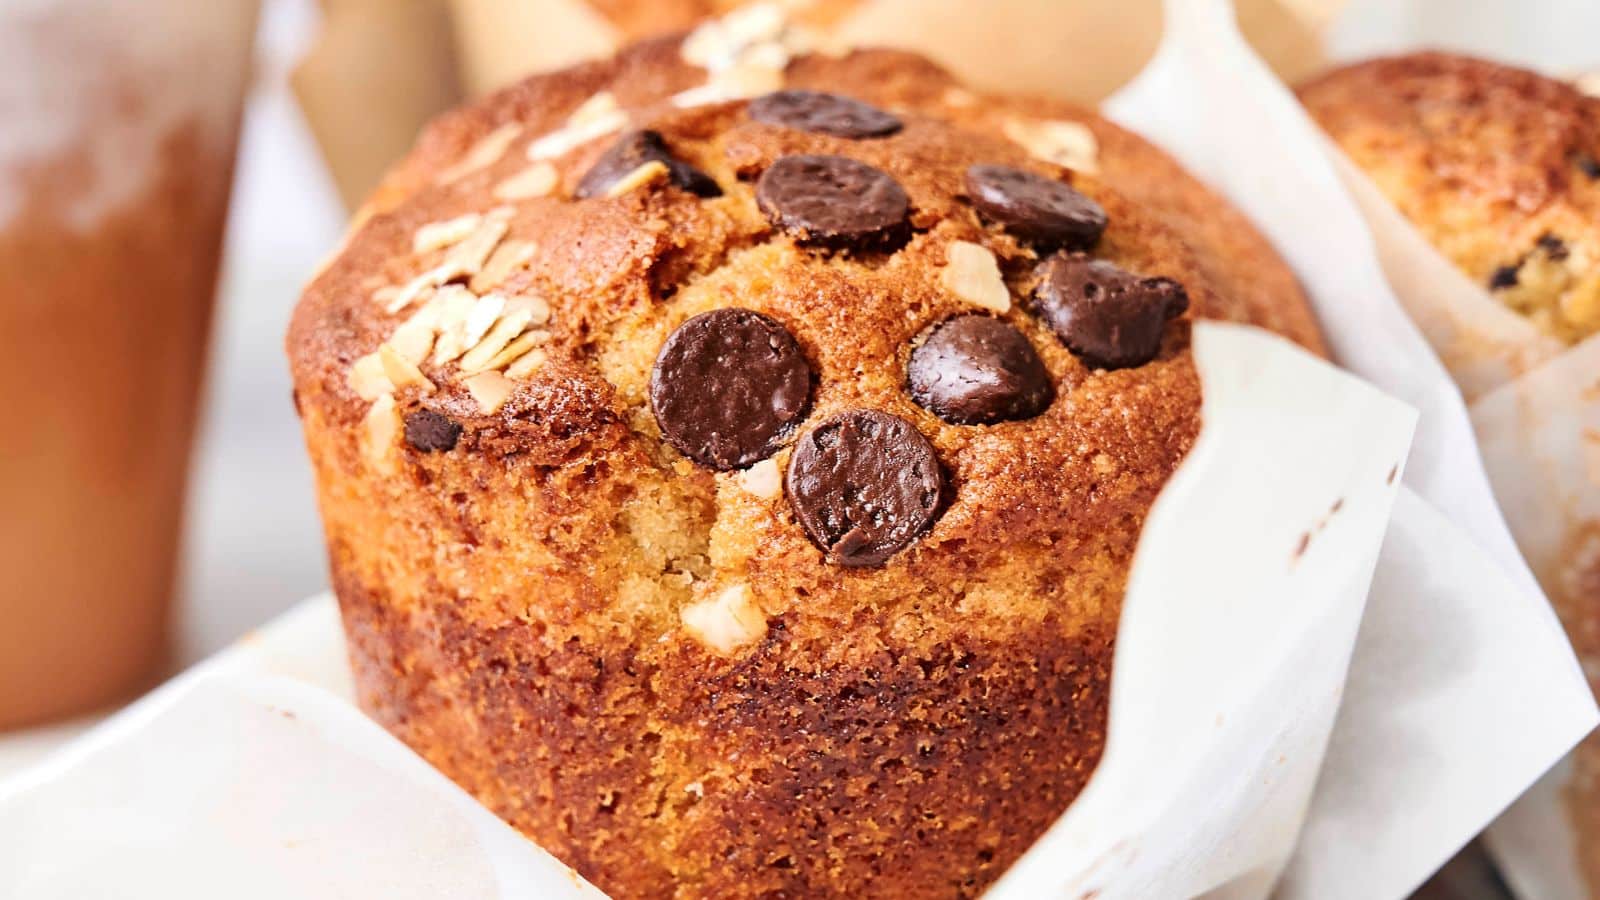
(1042, 211)
(727, 386)
(975, 370)
(1554, 248)
(633, 150)
(834, 202)
(823, 113)
(430, 432)
(1588, 165)
(864, 484)
(1109, 317)
(1504, 277)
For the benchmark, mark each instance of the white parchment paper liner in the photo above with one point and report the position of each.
(1231, 660)
(1535, 406)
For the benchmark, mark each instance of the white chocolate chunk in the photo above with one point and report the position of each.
(762, 479)
(1069, 144)
(726, 622)
(971, 273)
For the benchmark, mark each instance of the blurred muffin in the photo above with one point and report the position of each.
(1498, 167)
(738, 496)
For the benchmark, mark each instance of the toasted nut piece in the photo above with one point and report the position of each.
(1069, 144)
(537, 180)
(484, 153)
(502, 264)
(380, 433)
(438, 235)
(367, 378)
(514, 350)
(653, 170)
(599, 115)
(402, 371)
(726, 622)
(490, 389)
(971, 273)
(507, 329)
(528, 363)
(414, 338)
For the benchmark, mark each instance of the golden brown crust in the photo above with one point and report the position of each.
(1498, 167)
(513, 602)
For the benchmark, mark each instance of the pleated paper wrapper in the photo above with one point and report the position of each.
(1231, 768)
(1534, 403)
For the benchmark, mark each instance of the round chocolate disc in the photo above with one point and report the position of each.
(864, 484)
(1109, 317)
(823, 113)
(1042, 211)
(633, 150)
(430, 432)
(727, 386)
(976, 370)
(833, 201)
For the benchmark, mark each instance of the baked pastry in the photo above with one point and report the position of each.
(1498, 167)
(738, 497)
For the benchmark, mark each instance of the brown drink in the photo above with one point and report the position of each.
(116, 149)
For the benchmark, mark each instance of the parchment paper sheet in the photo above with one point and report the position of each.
(1231, 661)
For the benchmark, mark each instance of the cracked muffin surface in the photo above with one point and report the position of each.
(1498, 167)
(640, 529)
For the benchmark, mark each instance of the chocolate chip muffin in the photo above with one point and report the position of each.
(1498, 167)
(737, 495)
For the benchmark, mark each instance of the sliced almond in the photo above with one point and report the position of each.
(504, 262)
(739, 81)
(959, 98)
(726, 622)
(484, 314)
(517, 348)
(484, 153)
(381, 434)
(402, 372)
(717, 43)
(538, 308)
(467, 258)
(414, 289)
(504, 331)
(599, 115)
(438, 235)
(489, 389)
(528, 363)
(647, 172)
(598, 106)
(367, 378)
(1069, 144)
(413, 339)
(972, 273)
(537, 180)
(762, 480)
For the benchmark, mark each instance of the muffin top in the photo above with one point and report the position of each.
(885, 331)
(1498, 167)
